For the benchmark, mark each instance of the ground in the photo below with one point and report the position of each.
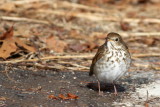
(49, 46)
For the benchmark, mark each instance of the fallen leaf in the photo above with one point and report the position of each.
(55, 44)
(149, 41)
(77, 47)
(19, 43)
(125, 26)
(90, 46)
(72, 96)
(11, 44)
(85, 47)
(3, 98)
(7, 48)
(52, 97)
(8, 34)
(8, 7)
(63, 97)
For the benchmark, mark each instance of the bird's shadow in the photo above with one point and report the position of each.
(106, 87)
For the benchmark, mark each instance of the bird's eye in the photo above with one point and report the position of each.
(116, 39)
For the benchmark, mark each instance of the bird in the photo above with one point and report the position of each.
(111, 61)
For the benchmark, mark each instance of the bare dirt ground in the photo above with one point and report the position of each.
(46, 55)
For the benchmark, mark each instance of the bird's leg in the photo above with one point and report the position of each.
(115, 90)
(99, 88)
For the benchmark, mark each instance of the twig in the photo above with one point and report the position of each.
(64, 4)
(19, 2)
(149, 65)
(80, 6)
(127, 34)
(71, 63)
(87, 56)
(99, 17)
(146, 55)
(58, 66)
(21, 19)
(140, 34)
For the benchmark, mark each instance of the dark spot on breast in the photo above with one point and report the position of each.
(112, 61)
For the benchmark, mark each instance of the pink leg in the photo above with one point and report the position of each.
(115, 90)
(99, 88)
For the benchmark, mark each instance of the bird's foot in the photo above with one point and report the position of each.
(101, 93)
(115, 93)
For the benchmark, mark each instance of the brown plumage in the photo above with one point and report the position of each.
(112, 59)
(101, 51)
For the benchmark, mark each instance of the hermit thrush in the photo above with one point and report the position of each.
(111, 61)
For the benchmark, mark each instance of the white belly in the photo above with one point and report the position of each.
(112, 69)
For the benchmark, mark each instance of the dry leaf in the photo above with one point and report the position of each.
(90, 46)
(8, 7)
(8, 34)
(11, 44)
(72, 96)
(55, 44)
(52, 97)
(7, 48)
(77, 47)
(3, 98)
(125, 26)
(63, 97)
(19, 43)
(149, 41)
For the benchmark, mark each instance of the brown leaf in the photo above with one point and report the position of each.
(149, 41)
(90, 46)
(8, 34)
(8, 7)
(55, 44)
(125, 26)
(7, 48)
(21, 44)
(72, 96)
(52, 97)
(77, 47)
(3, 98)
(11, 44)
(63, 97)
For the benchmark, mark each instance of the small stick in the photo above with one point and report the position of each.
(146, 55)
(98, 17)
(20, 2)
(80, 6)
(88, 56)
(23, 19)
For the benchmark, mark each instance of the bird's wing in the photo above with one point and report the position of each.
(99, 54)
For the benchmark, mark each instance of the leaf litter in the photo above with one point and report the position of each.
(63, 97)
(11, 44)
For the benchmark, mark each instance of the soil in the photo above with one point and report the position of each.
(24, 88)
